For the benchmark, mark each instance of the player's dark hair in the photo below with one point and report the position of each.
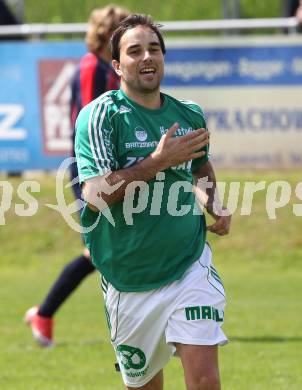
(128, 23)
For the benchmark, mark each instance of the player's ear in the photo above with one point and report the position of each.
(117, 67)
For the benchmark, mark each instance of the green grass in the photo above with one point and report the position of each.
(260, 262)
(60, 11)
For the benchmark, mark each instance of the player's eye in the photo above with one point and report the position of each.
(134, 51)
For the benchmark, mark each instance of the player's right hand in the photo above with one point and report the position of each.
(172, 151)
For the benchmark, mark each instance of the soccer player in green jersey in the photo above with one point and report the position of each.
(141, 155)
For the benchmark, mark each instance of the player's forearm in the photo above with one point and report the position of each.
(144, 170)
(212, 201)
(102, 191)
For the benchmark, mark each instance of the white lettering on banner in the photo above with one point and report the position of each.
(14, 155)
(209, 70)
(260, 69)
(10, 114)
(56, 111)
(297, 66)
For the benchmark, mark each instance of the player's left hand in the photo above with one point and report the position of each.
(222, 223)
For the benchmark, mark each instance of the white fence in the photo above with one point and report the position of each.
(37, 30)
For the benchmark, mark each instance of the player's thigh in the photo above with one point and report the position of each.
(200, 364)
(137, 323)
(198, 358)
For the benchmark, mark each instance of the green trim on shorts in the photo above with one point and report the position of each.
(208, 274)
(117, 307)
(215, 275)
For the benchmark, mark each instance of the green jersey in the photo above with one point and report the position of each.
(155, 235)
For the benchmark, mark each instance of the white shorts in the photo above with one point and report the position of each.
(144, 325)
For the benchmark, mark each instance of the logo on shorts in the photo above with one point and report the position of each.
(131, 357)
(140, 134)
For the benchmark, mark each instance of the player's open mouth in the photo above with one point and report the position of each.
(147, 71)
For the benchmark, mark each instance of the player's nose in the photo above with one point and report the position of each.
(147, 55)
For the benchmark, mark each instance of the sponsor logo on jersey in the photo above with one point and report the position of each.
(124, 109)
(179, 132)
(140, 134)
(134, 145)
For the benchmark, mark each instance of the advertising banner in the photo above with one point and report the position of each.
(249, 89)
(34, 103)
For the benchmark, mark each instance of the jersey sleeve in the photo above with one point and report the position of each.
(94, 147)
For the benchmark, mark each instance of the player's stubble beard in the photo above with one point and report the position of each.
(139, 87)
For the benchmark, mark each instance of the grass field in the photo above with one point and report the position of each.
(57, 11)
(260, 263)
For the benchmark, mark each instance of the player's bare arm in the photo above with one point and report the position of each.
(169, 152)
(211, 200)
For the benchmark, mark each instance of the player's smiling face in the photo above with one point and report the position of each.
(141, 65)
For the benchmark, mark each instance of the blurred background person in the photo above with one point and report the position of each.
(293, 8)
(7, 17)
(299, 13)
(290, 7)
(94, 76)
